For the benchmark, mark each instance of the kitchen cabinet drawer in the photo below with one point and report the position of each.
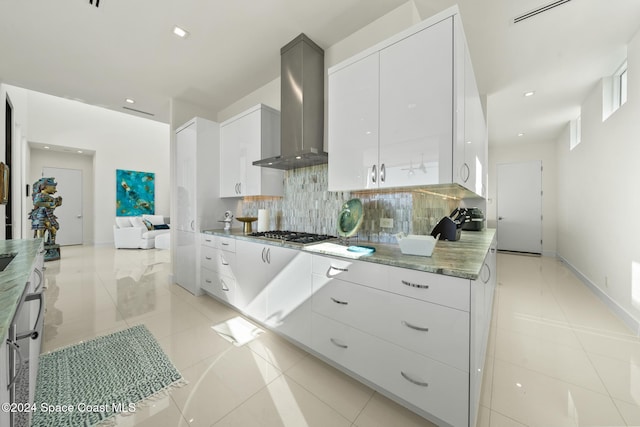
(364, 273)
(227, 244)
(220, 286)
(218, 260)
(209, 240)
(335, 341)
(430, 329)
(446, 290)
(432, 386)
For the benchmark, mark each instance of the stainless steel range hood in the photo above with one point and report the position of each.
(302, 106)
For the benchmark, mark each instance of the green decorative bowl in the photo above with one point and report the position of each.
(350, 218)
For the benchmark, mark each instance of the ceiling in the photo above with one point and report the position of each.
(126, 49)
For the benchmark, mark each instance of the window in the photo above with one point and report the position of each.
(614, 91)
(575, 132)
(620, 86)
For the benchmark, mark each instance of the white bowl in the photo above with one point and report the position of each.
(414, 244)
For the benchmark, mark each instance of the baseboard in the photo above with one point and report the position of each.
(624, 315)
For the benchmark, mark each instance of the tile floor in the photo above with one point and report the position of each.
(556, 356)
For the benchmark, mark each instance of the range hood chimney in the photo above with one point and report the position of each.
(302, 106)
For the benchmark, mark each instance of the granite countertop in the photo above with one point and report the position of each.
(463, 258)
(14, 278)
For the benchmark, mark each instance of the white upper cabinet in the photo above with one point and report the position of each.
(353, 125)
(470, 149)
(250, 136)
(396, 115)
(416, 83)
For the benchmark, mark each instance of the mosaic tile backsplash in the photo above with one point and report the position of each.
(308, 206)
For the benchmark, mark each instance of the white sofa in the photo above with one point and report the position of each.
(131, 232)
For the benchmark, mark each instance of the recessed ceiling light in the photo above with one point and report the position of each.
(530, 93)
(46, 147)
(180, 32)
(521, 134)
(130, 101)
(79, 151)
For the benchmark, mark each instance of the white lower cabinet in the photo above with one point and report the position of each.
(272, 285)
(427, 384)
(217, 266)
(430, 329)
(418, 336)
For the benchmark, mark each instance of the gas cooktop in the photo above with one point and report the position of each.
(296, 237)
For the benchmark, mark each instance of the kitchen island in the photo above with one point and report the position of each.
(413, 328)
(463, 258)
(21, 281)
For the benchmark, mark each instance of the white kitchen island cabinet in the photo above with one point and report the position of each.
(274, 287)
(418, 337)
(413, 328)
(249, 136)
(396, 112)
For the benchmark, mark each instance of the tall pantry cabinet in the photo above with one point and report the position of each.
(197, 202)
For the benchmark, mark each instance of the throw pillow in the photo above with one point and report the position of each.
(136, 221)
(161, 227)
(123, 222)
(148, 224)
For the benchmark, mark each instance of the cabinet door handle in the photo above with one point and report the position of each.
(338, 344)
(222, 260)
(35, 332)
(373, 173)
(208, 258)
(239, 188)
(488, 274)
(16, 350)
(224, 244)
(269, 256)
(414, 285)
(40, 279)
(224, 286)
(417, 328)
(382, 169)
(263, 258)
(337, 301)
(463, 169)
(208, 281)
(192, 223)
(411, 380)
(331, 267)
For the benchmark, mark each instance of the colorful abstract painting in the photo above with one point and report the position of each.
(135, 193)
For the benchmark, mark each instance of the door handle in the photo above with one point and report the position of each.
(79, 216)
(500, 218)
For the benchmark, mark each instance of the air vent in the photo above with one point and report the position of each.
(138, 111)
(539, 10)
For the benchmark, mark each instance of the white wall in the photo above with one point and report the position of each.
(120, 141)
(56, 159)
(512, 153)
(598, 196)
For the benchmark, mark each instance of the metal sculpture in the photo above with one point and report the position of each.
(43, 221)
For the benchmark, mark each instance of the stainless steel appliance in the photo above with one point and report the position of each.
(301, 105)
(295, 237)
(474, 219)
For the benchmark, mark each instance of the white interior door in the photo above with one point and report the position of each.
(519, 206)
(70, 213)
